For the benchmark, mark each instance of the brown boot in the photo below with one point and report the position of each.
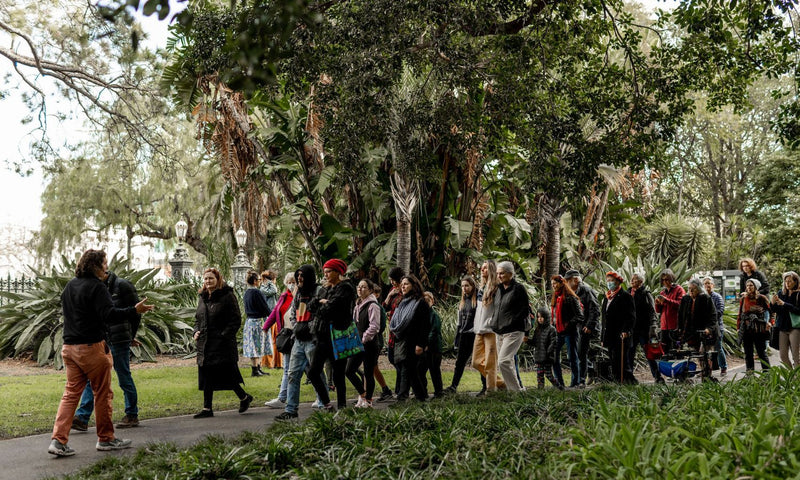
(129, 421)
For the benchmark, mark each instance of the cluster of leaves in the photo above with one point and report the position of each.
(31, 323)
(741, 429)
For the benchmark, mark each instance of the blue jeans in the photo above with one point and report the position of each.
(301, 355)
(121, 353)
(287, 358)
(723, 360)
(571, 339)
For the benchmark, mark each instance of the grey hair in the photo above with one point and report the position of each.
(287, 277)
(506, 266)
(697, 283)
(710, 279)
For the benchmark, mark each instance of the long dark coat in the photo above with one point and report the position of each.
(217, 319)
(618, 316)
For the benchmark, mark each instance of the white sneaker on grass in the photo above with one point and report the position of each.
(116, 444)
(275, 403)
(317, 404)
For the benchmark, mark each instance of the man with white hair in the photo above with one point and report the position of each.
(513, 320)
(697, 323)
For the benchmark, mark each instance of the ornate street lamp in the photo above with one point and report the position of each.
(180, 262)
(241, 263)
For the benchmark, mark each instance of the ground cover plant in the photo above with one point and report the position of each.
(28, 403)
(742, 429)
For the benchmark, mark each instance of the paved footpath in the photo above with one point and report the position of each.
(27, 458)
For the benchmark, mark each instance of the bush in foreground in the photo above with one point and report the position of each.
(744, 429)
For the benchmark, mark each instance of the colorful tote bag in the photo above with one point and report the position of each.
(346, 343)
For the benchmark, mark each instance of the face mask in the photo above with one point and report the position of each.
(611, 285)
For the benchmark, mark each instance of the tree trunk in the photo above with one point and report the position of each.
(405, 193)
(403, 243)
(550, 212)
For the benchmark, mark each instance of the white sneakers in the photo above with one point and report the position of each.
(275, 403)
(363, 403)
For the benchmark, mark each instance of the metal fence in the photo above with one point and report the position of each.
(16, 285)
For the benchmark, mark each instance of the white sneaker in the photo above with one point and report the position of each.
(363, 403)
(275, 403)
(317, 404)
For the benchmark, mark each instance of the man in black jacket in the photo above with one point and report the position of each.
(647, 320)
(121, 336)
(591, 315)
(697, 321)
(88, 309)
(513, 313)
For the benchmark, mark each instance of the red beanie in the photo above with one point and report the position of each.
(336, 265)
(616, 276)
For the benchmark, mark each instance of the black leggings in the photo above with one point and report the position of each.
(322, 353)
(208, 395)
(370, 359)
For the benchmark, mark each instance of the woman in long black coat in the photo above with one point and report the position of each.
(216, 322)
(619, 317)
(411, 325)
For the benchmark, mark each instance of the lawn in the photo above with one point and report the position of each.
(28, 403)
(743, 429)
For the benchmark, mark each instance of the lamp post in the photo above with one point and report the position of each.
(180, 262)
(241, 263)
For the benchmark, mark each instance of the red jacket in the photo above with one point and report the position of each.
(669, 309)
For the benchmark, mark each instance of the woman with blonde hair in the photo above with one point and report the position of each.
(786, 305)
(465, 333)
(484, 350)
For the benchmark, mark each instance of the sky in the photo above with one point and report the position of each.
(20, 203)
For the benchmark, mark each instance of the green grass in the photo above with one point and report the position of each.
(744, 429)
(28, 403)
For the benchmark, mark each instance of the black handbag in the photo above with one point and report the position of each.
(284, 341)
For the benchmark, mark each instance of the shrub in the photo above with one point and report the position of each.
(31, 323)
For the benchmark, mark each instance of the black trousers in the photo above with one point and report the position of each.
(408, 374)
(465, 345)
(431, 362)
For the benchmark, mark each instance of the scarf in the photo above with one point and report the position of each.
(556, 312)
(610, 295)
(403, 315)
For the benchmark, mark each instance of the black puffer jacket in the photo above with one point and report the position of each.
(217, 319)
(543, 341)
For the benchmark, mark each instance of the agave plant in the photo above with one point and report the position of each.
(31, 323)
(669, 238)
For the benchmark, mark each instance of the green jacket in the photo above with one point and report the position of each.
(435, 335)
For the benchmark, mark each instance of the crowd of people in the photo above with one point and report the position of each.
(333, 332)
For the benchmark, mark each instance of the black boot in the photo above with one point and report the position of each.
(254, 372)
(262, 372)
